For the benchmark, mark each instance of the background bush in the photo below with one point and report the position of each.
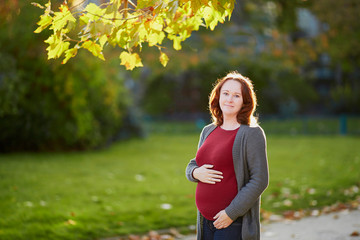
(48, 106)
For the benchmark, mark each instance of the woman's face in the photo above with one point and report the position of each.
(231, 99)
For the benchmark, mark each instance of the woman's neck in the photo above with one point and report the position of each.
(230, 124)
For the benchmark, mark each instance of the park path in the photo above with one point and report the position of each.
(333, 226)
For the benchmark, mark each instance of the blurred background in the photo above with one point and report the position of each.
(303, 57)
(64, 127)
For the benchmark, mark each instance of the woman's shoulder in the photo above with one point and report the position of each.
(253, 129)
(205, 132)
(208, 128)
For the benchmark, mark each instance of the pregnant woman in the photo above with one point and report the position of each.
(230, 167)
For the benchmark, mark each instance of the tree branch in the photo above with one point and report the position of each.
(132, 4)
(122, 10)
(125, 8)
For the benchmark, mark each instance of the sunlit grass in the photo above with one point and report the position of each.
(139, 185)
(312, 171)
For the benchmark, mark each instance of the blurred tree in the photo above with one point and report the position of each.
(250, 43)
(49, 106)
(340, 39)
(327, 48)
(341, 35)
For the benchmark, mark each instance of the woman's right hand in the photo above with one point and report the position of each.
(206, 174)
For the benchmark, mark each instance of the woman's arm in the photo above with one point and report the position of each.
(190, 169)
(192, 164)
(257, 163)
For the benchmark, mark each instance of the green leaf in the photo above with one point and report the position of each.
(94, 12)
(102, 40)
(48, 7)
(164, 59)
(211, 17)
(155, 38)
(55, 50)
(147, 3)
(177, 43)
(150, 22)
(45, 21)
(62, 18)
(94, 48)
(130, 60)
(121, 37)
(155, 25)
(69, 54)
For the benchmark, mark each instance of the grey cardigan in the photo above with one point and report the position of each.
(252, 175)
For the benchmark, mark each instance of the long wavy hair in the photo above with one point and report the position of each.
(246, 113)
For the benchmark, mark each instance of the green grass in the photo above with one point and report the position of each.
(120, 190)
(312, 171)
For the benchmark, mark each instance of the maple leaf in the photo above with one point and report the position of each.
(45, 21)
(61, 18)
(56, 46)
(151, 21)
(103, 40)
(94, 48)
(69, 54)
(130, 60)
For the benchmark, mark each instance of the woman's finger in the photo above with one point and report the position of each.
(216, 176)
(211, 181)
(208, 166)
(215, 172)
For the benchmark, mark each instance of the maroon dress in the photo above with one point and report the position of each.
(217, 150)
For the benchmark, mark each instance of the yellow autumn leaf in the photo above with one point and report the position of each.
(70, 222)
(177, 43)
(57, 49)
(156, 26)
(69, 54)
(45, 21)
(130, 60)
(164, 59)
(94, 48)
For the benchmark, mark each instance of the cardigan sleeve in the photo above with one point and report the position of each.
(189, 170)
(192, 164)
(256, 159)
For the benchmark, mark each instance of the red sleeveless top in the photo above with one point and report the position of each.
(217, 150)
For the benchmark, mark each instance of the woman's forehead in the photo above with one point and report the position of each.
(231, 85)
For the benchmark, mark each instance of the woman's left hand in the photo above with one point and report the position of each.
(222, 220)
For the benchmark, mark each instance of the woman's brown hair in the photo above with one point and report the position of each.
(246, 113)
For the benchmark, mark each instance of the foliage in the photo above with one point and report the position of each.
(128, 26)
(74, 109)
(274, 70)
(340, 38)
(286, 17)
(125, 188)
(46, 106)
(264, 41)
(337, 40)
(186, 92)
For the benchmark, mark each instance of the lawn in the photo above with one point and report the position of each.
(139, 185)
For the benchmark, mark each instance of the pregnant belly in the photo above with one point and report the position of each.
(212, 198)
